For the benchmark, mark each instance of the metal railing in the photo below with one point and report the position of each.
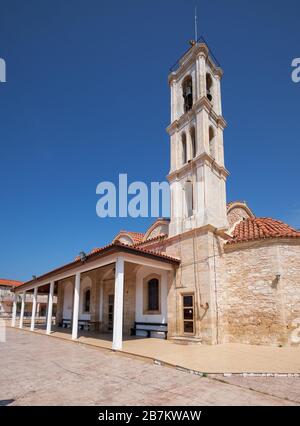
(211, 55)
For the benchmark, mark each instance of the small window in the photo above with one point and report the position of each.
(187, 93)
(153, 295)
(184, 148)
(87, 301)
(209, 84)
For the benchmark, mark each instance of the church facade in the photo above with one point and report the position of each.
(213, 273)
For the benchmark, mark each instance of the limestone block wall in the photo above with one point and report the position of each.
(236, 215)
(196, 274)
(290, 269)
(129, 302)
(255, 307)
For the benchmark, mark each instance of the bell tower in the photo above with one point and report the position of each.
(197, 175)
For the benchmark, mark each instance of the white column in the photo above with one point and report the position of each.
(218, 95)
(76, 307)
(118, 304)
(197, 79)
(50, 306)
(173, 87)
(201, 75)
(14, 310)
(22, 309)
(33, 309)
(38, 310)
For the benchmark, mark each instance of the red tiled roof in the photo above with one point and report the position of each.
(92, 251)
(137, 249)
(107, 250)
(10, 283)
(157, 237)
(137, 237)
(261, 228)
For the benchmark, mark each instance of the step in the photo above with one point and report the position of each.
(182, 340)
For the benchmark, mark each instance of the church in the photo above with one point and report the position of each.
(212, 273)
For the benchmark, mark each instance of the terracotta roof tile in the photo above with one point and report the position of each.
(10, 283)
(102, 250)
(157, 237)
(136, 236)
(137, 249)
(261, 228)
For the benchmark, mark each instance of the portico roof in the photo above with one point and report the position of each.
(110, 249)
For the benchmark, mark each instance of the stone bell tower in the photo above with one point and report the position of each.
(197, 176)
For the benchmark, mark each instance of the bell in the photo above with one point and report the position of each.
(188, 91)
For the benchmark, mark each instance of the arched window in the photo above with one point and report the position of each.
(153, 295)
(193, 142)
(187, 93)
(212, 148)
(189, 199)
(87, 301)
(184, 148)
(209, 83)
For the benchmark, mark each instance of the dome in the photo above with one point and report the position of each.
(255, 228)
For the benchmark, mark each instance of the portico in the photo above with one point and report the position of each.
(106, 291)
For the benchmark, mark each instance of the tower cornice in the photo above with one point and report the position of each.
(201, 104)
(172, 128)
(187, 60)
(202, 159)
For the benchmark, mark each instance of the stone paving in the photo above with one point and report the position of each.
(40, 370)
(223, 358)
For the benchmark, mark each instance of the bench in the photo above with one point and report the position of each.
(65, 323)
(148, 327)
(84, 324)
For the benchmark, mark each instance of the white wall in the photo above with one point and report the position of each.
(68, 300)
(142, 273)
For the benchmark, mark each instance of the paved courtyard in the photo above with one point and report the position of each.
(223, 358)
(41, 370)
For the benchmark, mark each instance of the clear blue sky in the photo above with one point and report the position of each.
(87, 98)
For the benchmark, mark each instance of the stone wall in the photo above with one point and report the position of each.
(254, 306)
(246, 302)
(196, 274)
(236, 214)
